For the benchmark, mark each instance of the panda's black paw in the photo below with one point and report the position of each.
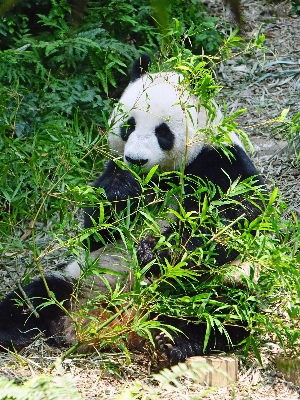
(178, 347)
(163, 342)
(145, 253)
(118, 184)
(172, 350)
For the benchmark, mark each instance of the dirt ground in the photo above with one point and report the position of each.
(265, 84)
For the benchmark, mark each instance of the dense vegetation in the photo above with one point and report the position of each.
(59, 69)
(54, 61)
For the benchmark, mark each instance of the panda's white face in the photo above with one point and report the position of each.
(155, 122)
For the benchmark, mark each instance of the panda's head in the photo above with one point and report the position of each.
(156, 120)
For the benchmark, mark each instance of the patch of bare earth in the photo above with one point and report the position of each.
(265, 84)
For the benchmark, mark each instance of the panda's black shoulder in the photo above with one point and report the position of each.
(212, 164)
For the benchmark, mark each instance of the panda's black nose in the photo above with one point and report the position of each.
(136, 161)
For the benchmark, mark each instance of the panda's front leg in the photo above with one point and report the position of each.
(146, 254)
(119, 185)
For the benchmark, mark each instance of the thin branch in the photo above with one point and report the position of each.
(226, 228)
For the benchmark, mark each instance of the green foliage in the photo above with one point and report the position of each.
(40, 387)
(296, 7)
(36, 171)
(56, 64)
(202, 293)
(290, 129)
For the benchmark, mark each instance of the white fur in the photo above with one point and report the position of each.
(151, 100)
(112, 257)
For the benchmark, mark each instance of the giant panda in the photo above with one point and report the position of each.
(149, 126)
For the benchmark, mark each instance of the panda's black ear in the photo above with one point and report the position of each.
(140, 67)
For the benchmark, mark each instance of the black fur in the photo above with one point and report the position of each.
(119, 185)
(140, 67)
(165, 136)
(212, 162)
(209, 166)
(127, 129)
(18, 326)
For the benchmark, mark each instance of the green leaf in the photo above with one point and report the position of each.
(272, 198)
(150, 174)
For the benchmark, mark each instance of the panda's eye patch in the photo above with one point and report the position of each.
(127, 128)
(165, 136)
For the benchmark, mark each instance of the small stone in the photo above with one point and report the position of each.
(290, 368)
